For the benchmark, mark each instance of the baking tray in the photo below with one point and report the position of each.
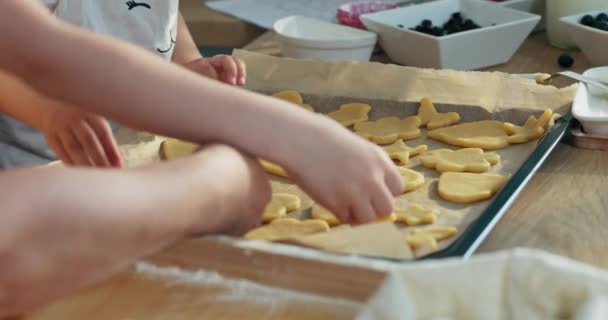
(474, 235)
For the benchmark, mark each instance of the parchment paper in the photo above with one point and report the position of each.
(395, 91)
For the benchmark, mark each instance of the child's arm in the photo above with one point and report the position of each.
(77, 137)
(64, 229)
(222, 67)
(351, 177)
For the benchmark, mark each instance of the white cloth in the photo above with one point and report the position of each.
(520, 284)
(150, 24)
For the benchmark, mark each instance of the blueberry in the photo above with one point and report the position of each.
(400, 26)
(565, 60)
(588, 20)
(419, 28)
(427, 23)
(602, 17)
(602, 25)
(438, 32)
(457, 16)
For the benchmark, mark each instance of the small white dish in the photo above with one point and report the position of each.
(593, 42)
(532, 6)
(307, 38)
(590, 105)
(502, 33)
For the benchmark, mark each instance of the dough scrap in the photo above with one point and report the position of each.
(412, 179)
(320, 213)
(429, 237)
(433, 119)
(401, 153)
(463, 160)
(351, 113)
(531, 130)
(388, 130)
(273, 168)
(308, 107)
(487, 134)
(416, 215)
(290, 96)
(281, 229)
(280, 204)
(171, 149)
(463, 187)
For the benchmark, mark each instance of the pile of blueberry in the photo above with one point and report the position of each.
(598, 22)
(457, 23)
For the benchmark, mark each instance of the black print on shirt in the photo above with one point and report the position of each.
(170, 46)
(135, 4)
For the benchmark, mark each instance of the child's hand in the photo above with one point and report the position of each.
(223, 68)
(81, 139)
(351, 177)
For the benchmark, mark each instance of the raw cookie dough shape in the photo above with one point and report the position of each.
(351, 113)
(293, 97)
(320, 213)
(463, 187)
(171, 149)
(463, 160)
(280, 204)
(281, 229)
(433, 119)
(416, 215)
(487, 134)
(429, 237)
(273, 168)
(388, 130)
(401, 153)
(531, 130)
(412, 180)
(290, 96)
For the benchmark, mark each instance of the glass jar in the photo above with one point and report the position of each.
(556, 9)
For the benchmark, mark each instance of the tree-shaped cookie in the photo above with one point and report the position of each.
(531, 130)
(388, 130)
(350, 113)
(487, 134)
(463, 160)
(464, 187)
(412, 180)
(273, 168)
(401, 153)
(286, 228)
(280, 204)
(320, 213)
(174, 149)
(433, 119)
(293, 97)
(290, 96)
(429, 237)
(416, 215)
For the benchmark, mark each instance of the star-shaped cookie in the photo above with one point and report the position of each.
(280, 204)
(463, 160)
(433, 119)
(401, 153)
(531, 130)
(351, 113)
(487, 134)
(388, 130)
(464, 187)
(415, 215)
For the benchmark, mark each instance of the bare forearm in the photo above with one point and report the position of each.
(21, 102)
(63, 229)
(133, 87)
(185, 48)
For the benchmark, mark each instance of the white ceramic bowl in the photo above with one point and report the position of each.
(306, 38)
(590, 105)
(532, 6)
(593, 42)
(490, 45)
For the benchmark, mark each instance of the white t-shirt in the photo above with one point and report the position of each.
(150, 24)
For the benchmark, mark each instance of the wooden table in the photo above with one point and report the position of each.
(564, 210)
